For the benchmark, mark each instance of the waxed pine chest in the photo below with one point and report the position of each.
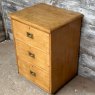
(47, 42)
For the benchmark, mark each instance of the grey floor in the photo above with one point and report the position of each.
(13, 84)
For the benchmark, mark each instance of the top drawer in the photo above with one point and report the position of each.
(31, 36)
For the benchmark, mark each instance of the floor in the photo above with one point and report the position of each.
(13, 84)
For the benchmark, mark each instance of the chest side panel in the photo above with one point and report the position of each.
(64, 54)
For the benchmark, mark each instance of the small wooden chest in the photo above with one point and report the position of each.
(47, 42)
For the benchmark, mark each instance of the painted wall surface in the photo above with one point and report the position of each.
(87, 45)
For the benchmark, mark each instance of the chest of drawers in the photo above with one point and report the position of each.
(47, 44)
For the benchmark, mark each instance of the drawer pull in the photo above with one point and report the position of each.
(29, 35)
(33, 73)
(31, 54)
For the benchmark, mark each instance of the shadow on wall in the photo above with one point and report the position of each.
(2, 32)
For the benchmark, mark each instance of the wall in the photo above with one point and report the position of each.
(87, 45)
(2, 32)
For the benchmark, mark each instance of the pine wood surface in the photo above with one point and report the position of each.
(41, 78)
(64, 54)
(47, 43)
(45, 17)
(40, 59)
(40, 39)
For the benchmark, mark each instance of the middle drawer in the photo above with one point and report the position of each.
(30, 54)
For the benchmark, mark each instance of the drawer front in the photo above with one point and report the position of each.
(35, 56)
(34, 74)
(31, 36)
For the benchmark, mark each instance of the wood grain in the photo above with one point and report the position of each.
(41, 78)
(41, 59)
(65, 44)
(51, 47)
(45, 17)
(40, 39)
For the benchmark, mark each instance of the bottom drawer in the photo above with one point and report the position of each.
(34, 74)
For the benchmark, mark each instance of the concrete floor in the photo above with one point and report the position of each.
(13, 84)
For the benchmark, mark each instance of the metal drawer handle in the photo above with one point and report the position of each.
(33, 73)
(31, 54)
(30, 35)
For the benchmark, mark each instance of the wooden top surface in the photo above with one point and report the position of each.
(45, 17)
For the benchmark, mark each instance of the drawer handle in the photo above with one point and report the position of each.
(29, 35)
(31, 54)
(33, 73)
